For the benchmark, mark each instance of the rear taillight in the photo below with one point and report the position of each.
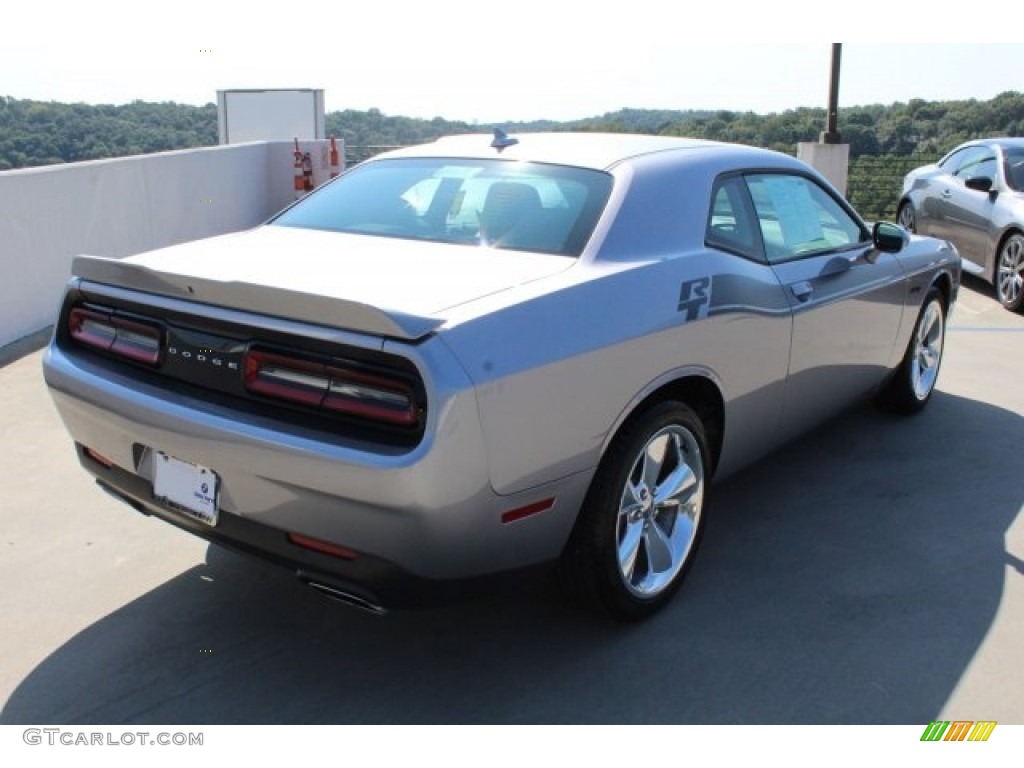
(119, 336)
(333, 387)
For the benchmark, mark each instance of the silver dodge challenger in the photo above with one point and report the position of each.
(485, 355)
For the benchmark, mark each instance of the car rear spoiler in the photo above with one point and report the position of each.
(293, 305)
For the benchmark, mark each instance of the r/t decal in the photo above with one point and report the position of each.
(695, 298)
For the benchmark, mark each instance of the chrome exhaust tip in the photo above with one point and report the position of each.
(340, 595)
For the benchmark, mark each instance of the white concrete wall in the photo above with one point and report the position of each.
(124, 206)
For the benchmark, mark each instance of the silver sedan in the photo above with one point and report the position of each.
(475, 357)
(974, 197)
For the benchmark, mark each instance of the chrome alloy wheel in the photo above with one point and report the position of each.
(659, 511)
(1010, 271)
(927, 355)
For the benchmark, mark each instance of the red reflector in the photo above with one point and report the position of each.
(321, 546)
(99, 458)
(530, 509)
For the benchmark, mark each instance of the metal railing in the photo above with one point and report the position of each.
(874, 183)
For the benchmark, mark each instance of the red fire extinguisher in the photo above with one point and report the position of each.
(299, 177)
(307, 172)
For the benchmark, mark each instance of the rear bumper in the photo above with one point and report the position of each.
(421, 522)
(369, 582)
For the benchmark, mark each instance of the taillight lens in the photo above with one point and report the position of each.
(333, 387)
(287, 378)
(119, 336)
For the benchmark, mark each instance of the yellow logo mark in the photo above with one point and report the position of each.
(982, 730)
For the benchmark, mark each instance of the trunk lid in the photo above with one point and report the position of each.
(383, 286)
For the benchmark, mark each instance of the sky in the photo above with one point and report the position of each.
(502, 60)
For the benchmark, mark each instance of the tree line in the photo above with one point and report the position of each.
(36, 133)
(885, 141)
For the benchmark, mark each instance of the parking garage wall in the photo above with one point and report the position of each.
(120, 207)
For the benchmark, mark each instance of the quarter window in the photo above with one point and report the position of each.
(729, 221)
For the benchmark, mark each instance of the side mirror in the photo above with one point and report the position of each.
(979, 183)
(889, 238)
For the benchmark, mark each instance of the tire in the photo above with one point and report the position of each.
(911, 387)
(1009, 273)
(906, 217)
(642, 520)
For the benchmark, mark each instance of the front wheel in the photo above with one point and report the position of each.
(914, 381)
(1010, 273)
(906, 219)
(642, 520)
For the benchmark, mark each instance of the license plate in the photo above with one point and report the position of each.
(187, 487)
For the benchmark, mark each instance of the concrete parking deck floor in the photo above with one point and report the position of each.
(872, 572)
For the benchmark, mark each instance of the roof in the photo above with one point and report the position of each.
(586, 150)
(1006, 142)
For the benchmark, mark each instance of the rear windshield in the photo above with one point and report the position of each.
(495, 203)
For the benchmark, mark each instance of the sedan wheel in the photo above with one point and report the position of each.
(641, 523)
(914, 381)
(1010, 273)
(906, 218)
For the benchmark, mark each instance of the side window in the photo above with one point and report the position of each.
(799, 218)
(985, 167)
(963, 162)
(729, 223)
(972, 160)
(951, 162)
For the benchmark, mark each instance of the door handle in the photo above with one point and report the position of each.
(802, 290)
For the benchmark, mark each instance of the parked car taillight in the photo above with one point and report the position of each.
(331, 386)
(109, 333)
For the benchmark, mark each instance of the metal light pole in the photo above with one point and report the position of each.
(831, 134)
(828, 154)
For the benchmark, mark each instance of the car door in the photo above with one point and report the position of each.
(967, 212)
(941, 189)
(846, 297)
(932, 187)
